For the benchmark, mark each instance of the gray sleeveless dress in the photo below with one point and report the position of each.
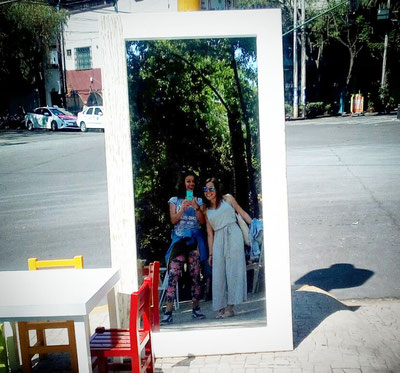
(229, 285)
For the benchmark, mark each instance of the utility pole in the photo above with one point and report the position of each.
(61, 62)
(295, 67)
(385, 47)
(303, 59)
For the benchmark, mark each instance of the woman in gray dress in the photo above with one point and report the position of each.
(226, 249)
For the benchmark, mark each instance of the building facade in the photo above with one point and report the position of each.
(77, 75)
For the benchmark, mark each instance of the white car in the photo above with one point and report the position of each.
(50, 117)
(91, 117)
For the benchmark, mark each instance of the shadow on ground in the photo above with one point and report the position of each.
(337, 276)
(311, 306)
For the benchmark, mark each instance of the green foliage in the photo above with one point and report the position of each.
(387, 103)
(257, 4)
(331, 108)
(182, 94)
(286, 8)
(314, 109)
(26, 33)
(288, 110)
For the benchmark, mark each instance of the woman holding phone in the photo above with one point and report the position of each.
(188, 246)
(226, 245)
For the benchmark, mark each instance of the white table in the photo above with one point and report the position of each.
(64, 294)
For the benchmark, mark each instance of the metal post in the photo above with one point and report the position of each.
(295, 73)
(303, 59)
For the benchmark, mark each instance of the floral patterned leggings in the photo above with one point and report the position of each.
(175, 271)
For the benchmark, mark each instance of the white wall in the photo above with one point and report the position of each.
(82, 29)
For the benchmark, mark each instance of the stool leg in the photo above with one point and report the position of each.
(24, 345)
(41, 341)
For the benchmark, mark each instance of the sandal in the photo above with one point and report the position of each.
(221, 313)
(228, 314)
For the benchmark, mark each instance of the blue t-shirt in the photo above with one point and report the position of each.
(188, 220)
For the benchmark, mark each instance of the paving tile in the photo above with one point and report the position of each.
(329, 338)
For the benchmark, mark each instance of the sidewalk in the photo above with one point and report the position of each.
(359, 336)
(370, 119)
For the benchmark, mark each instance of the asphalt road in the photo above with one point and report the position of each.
(344, 205)
(53, 197)
(344, 199)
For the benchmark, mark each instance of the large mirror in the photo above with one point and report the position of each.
(194, 115)
(200, 92)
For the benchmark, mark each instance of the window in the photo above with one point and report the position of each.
(69, 53)
(83, 59)
(98, 111)
(90, 111)
(53, 58)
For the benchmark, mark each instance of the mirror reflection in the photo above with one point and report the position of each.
(197, 179)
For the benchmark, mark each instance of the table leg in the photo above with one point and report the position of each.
(82, 344)
(113, 315)
(112, 309)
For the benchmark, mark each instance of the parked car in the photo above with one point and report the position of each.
(91, 117)
(50, 117)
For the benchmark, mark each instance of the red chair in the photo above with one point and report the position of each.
(134, 342)
(154, 273)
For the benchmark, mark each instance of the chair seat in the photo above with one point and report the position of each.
(112, 342)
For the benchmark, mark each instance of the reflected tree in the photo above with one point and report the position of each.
(193, 105)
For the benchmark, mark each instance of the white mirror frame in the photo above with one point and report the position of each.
(265, 26)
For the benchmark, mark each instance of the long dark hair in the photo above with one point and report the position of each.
(217, 191)
(181, 188)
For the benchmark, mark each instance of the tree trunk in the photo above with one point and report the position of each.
(252, 185)
(348, 77)
(241, 191)
(385, 47)
(350, 70)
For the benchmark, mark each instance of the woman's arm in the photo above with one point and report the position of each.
(174, 215)
(199, 211)
(210, 240)
(232, 201)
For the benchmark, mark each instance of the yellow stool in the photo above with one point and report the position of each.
(41, 347)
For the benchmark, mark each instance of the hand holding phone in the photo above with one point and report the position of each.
(189, 195)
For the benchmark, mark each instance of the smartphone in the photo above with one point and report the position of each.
(189, 195)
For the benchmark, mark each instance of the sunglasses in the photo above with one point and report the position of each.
(211, 189)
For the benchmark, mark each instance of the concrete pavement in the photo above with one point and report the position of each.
(355, 336)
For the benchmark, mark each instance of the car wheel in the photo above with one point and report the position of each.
(54, 125)
(30, 126)
(83, 127)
